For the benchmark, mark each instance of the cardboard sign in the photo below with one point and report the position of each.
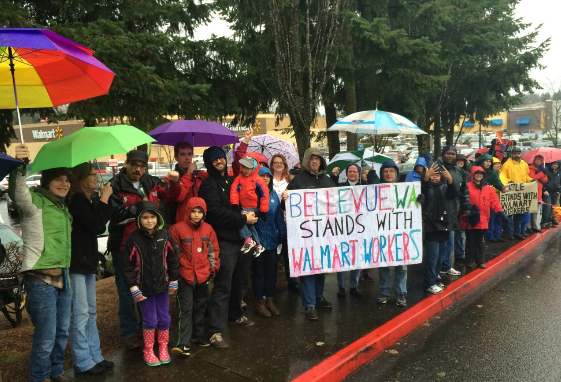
(520, 198)
(358, 227)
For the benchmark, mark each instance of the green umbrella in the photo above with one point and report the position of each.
(88, 144)
(360, 157)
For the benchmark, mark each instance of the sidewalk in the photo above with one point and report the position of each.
(280, 349)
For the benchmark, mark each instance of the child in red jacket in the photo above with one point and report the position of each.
(483, 199)
(252, 194)
(198, 263)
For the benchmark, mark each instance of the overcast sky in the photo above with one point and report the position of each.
(535, 12)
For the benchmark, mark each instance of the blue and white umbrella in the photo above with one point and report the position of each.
(376, 122)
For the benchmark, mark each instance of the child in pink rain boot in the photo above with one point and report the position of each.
(151, 271)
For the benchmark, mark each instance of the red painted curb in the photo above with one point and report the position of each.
(367, 348)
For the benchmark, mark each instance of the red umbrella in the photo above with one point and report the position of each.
(549, 154)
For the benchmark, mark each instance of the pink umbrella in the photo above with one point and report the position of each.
(549, 154)
(269, 145)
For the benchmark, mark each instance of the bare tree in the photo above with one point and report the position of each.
(304, 34)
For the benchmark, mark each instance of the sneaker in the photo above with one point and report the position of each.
(107, 365)
(96, 370)
(383, 300)
(311, 314)
(355, 292)
(217, 341)
(258, 250)
(453, 272)
(248, 245)
(182, 350)
(59, 378)
(434, 289)
(324, 304)
(441, 286)
(401, 302)
(243, 321)
(201, 342)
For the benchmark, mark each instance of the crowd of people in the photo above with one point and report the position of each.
(201, 235)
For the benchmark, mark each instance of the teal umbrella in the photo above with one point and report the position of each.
(88, 144)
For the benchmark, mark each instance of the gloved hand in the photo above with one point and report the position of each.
(137, 295)
(474, 216)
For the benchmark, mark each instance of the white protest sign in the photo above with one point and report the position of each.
(358, 227)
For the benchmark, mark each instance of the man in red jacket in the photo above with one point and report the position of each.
(190, 180)
(198, 263)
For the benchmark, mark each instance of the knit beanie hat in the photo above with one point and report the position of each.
(47, 176)
(211, 154)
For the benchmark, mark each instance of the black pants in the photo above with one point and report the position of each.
(265, 274)
(474, 246)
(191, 303)
(292, 281)
(226, 298)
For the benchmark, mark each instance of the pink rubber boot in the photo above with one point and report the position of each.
(163, 340)
(149, 357)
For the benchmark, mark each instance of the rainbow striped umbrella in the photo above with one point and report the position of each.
(40, 68)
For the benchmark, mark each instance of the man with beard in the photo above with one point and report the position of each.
(515, 170)
(313, 175)
(189, 182)
(226, 220)
(131, 186)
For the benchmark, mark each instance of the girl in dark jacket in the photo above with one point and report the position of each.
(151, 272)
(90, 214)
(272, 230)
(436, 224)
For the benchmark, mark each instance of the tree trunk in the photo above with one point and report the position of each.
(350, 107)
(436, 138)
(423, 143)
(333, 143)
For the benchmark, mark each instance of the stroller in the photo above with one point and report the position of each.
(12, 293)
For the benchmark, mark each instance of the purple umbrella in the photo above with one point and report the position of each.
(196, 132)
(269, 145)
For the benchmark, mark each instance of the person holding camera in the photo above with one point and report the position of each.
(436, 186)
(90, 213)
(459, 204)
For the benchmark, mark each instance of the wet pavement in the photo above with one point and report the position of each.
(277, 349)
(511, 333)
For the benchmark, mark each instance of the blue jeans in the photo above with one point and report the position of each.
(546, 209)
(446, 251)
(516, 224)
(311, 290)
(49, 309)
(432, 261)
(129, 322)
(248, 230)
(400, 281)
(459, 245)
(495, 227)
(353, 278)
(86, 351)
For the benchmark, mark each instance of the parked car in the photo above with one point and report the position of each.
(33, 180)
(105, 262)
(12, 292)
